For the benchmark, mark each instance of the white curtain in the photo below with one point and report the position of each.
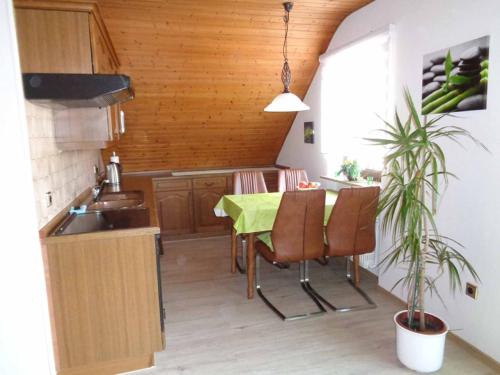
(354, 92)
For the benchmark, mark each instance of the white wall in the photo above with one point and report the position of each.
(470, 208)
(25, 341)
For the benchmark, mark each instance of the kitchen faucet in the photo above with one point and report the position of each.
(98, 187)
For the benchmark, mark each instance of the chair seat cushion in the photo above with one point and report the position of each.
(266, 238)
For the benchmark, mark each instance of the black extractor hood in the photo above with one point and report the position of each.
(77, 90)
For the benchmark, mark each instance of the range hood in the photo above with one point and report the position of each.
(77, 90)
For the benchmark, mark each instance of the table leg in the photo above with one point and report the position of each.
(250, 264)
(233, 249)
(356, 269)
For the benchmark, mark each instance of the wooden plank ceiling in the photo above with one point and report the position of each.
(204, 71)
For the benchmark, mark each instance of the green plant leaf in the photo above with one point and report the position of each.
(415, 175)
(448, 67)
(459, 80)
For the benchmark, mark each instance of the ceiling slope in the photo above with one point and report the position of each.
(203, 72)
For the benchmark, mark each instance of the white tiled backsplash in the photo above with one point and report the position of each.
(64, 173)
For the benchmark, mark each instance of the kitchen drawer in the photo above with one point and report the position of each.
(173, 184)
(209, 182)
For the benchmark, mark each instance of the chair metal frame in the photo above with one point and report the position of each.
(243, 267)
(304, 279)
(360, 199)
(369, 305)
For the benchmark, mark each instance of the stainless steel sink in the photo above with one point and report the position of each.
(122, 195)
(117, 201)
(101, 205)
(105, 220)
(111, 210)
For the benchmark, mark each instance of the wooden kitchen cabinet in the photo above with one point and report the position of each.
(63, 37)
(175, 210)
(70, 37)
(53, 42)
(103, 63)
(186, 204)
(104, 291)
(104, 300)
(207, 192)
(204, 203)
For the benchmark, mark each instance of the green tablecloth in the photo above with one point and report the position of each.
(252, 213)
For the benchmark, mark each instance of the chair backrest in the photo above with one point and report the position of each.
(298, 229)
(351, 226)
(249, 182)
(288, 179)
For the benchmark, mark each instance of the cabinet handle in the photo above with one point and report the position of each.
(122, 122)
(209, 183)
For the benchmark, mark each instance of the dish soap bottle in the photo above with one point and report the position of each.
(114, 170)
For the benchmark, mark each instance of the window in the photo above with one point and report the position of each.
(354, 93)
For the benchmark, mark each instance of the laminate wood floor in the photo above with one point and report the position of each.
(212, 328)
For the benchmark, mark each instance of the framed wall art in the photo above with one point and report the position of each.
(308, 132)
(455, 79)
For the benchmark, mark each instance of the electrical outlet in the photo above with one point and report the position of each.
(48, 199)
(471, 290)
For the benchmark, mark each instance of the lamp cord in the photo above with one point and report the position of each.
(286, 18)
(286, 73)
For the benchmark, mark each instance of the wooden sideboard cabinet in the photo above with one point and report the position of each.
(207, 191)
(186, 204)
(174, 200)
(176, 211)
(69, 37)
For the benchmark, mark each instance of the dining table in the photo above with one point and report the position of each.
(252, 214)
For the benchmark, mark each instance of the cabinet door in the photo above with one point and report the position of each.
(102, 60)
(53, 42)
(204, 217)
(175, 211)
(100, 289)
(103, 63)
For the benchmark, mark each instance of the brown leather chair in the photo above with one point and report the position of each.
(288, 179)
(247, 182)
(351, 232)
(297, 236)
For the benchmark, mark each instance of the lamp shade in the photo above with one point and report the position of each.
(286, 102)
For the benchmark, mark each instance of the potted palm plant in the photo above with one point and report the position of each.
(415, 176)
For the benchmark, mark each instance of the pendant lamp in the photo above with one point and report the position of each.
(287, 101)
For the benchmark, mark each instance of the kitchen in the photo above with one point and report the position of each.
(186, 113)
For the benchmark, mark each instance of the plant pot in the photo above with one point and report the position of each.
(422, 352)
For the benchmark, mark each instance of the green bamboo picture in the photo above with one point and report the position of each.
(308, 132)
(456, 79)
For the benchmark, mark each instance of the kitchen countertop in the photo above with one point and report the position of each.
(143, 183)
(196, 172)
(150, 174)
(220, 171)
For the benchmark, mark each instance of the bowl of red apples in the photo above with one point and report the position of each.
(304, 185)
